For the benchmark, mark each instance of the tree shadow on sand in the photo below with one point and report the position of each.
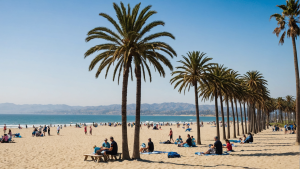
(191, 165)
(270, 154)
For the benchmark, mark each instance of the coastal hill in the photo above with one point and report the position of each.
(115, 109)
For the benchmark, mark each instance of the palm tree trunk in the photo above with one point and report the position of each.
(297, 91)
(227, 111)
(217, 114)
(249, 117)
(124, 112)
(136, 143)
(222, 112)
(237, 118)
(245, 117)
(258, 119)
(254, 120)
(242, 118)
(197, 114)
(268, 118)
(233, 118)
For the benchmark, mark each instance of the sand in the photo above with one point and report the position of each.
(269, 150)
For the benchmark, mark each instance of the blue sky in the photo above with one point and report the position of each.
(43, 45)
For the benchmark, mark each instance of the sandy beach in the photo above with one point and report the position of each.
(269, 150)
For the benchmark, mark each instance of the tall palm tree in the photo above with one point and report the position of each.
(127, 45)
(280, 107)
(290, 19)
(289, 99)
(193, 70)
(256, 85)
(218, 84)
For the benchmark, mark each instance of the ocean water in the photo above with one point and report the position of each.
(13, 120)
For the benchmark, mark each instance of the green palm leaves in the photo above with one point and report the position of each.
(130, 43)
(194, 70)
(289, 18)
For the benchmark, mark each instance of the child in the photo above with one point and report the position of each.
(228, 145)
(91, 130)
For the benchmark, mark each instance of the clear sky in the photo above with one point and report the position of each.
(42, 46)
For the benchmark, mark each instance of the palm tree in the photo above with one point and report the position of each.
(256, 85)
(218, 84)
(193, 70)
(127, 45)
(290, 18)
(280, 107)
(289, 99)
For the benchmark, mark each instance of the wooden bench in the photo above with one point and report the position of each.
(119, 155)
(95, 157)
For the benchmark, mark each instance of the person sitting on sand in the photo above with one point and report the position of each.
(210, 150)
(113, 150)
(10, 133)
(179, 139)
(249, 139)
(243, 138)
(34, 132)
(4, 139)
(96, 149)
(193, 141)
(218, 146)
(228, 145)
(150, 147)
(188, 142)
(105, 145)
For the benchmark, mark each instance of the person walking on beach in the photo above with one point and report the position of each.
(45, 130)
(90, 130)
(48, 130)
(171, 135)
(4, 129)
(85, 130)
(26, 126)
(58, 129)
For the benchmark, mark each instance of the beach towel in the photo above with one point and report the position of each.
(173, 155)
(202, 153)
(235, 141)
(189, 129)
(155, 152)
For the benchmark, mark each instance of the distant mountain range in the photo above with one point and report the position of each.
(115, 109)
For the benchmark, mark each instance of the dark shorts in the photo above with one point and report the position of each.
(111, 153)
(171, 136)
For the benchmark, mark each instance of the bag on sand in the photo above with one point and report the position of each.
(173, 155)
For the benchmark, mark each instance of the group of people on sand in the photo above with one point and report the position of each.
(106, 148)
(217, 147)
(289, 128)
(41, 131)
(85, 130)
(248, 139)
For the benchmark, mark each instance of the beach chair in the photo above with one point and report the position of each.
(96, 158)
